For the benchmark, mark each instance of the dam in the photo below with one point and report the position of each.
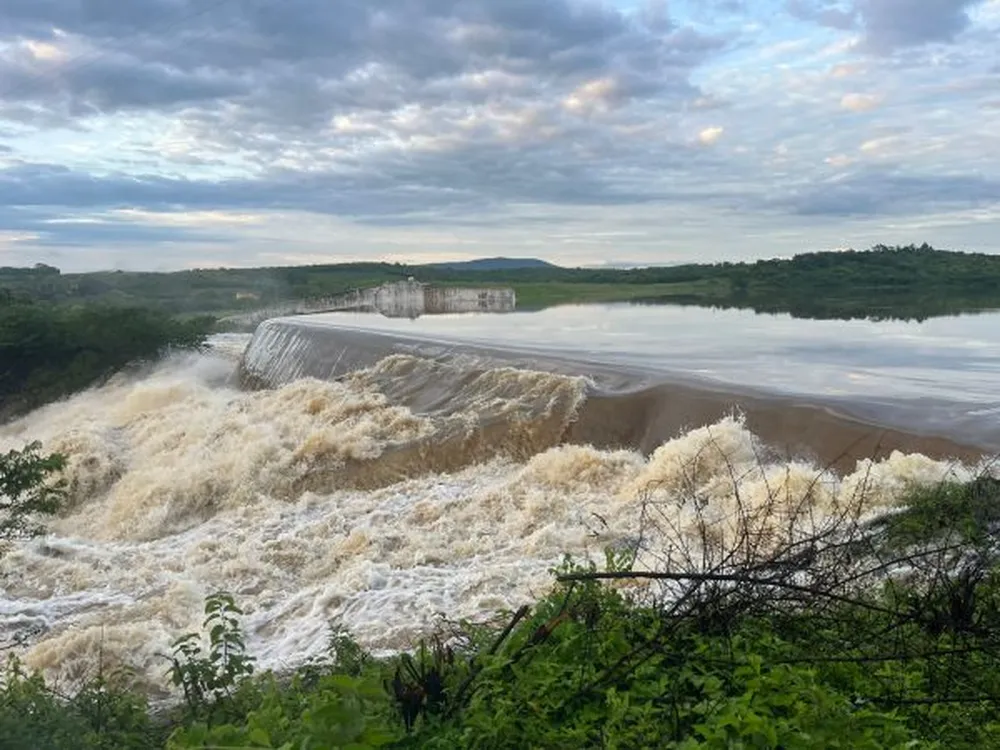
(399, 299)
(629, 402)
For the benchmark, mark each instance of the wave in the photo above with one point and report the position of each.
(618, 407)
(406, 488)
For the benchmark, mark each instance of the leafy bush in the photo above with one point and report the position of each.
(226, 708)
(28, 490)
(209, 681)
(333, 713)
(99, 716)
(591, 668)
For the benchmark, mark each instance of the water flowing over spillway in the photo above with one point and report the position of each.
(407, 486)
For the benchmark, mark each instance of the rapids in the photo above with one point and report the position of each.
(405, 489)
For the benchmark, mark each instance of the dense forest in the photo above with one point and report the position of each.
(909, 282)
(49, 351)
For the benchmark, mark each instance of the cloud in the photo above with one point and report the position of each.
(846, 70)
(358, 108)
(42, 231)
(875, 192)
(860, 102)
(840, 160)
(894, 24)
(889, 25)
(159, 121)
(824, 13)
(879, 145)
(710, 136)
(306, 59)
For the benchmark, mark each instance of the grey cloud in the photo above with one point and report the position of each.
(479, 174)
(51, 230)
(93, 17)
(410, 111)
(823, 12)
(428, 38)
(32, 186)
(263, 81)
(893, 24)
(890, 25)
(421, 130)
(113, 85)
(254, 69)
(872, 193)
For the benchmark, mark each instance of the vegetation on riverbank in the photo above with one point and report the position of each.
(49, 351)
(774, 626)
(886, 282)
(29, 491)
(539, 295)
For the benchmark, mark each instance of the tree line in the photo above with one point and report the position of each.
(904, 282)
(49, 351)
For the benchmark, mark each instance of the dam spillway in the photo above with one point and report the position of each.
(623, 407)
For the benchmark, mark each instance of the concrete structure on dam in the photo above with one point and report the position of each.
(401, 299)
(411, 299)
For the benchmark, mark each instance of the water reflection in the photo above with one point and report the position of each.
(883, 306)
(946, 359)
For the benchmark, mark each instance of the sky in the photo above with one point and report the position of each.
(170, 134)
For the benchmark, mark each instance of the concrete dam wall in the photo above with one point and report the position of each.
(613, 406)
(401, 299)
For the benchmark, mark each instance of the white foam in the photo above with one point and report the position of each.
(325, 501)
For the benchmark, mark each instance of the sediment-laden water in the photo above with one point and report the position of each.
(407, 487)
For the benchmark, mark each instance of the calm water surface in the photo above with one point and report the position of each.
(947, 367)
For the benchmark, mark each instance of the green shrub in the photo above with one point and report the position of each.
(210, 681)
(27, 490)
(99, 716)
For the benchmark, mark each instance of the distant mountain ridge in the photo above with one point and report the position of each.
(492, 264)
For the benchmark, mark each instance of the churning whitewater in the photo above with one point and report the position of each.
(320, 502)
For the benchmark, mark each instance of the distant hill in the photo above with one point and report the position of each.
(493, 264)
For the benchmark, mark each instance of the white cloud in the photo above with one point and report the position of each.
(861, 102)
(595, 95)
(45, 51)
(877, 146)
(840, 160)
(847, 70)
(711, 135)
